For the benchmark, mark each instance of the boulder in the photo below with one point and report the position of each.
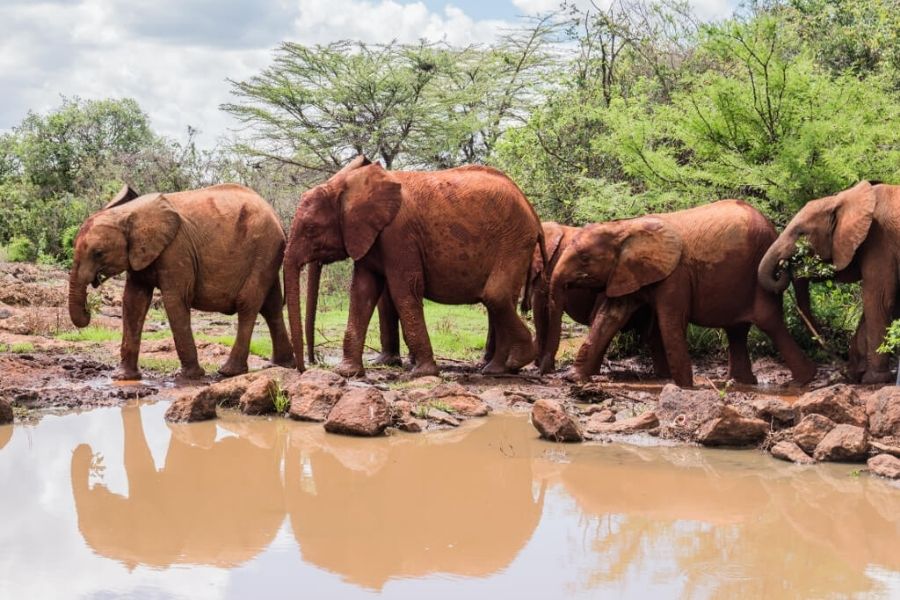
(885, 448)
(6, 412)
(791, 452)
(228, 392)
(360, 411)
(552, 421)
(732, 429)
(840, 403)
(597, 423)
(885, 465)
(259, 397)
(200, 406)
(811, 430)
(774, 410)
(461, 400)
(682, 412)
(314, 394)
(883, 411)
(844, 443)
(441, 417)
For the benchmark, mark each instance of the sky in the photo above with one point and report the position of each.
(175, 56)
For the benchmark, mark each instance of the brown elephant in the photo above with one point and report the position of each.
(457, 236)
(214, 502)
(214, 249)
(581, 303)
(691, 266)
(857, 230)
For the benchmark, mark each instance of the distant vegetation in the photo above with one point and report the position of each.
(596, 114)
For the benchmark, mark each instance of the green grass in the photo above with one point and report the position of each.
(18, 348)
(261, 346)
(97, 334)
(280, 399)
(162, 366)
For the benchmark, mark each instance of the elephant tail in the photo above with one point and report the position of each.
(525, 306)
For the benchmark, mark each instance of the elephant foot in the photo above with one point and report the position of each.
(349, 369)
(806, 375)
(519, 356)
(126, 374)
(388, 359)
(425, 370)
(743, 378)
(228, 370)
(547, 365)
(196, 372)
(877, 377)
(284, 361)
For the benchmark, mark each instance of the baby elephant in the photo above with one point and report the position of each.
(691, 266)
(215, 249)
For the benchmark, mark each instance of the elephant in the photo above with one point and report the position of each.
(691, 266)
(581, 303)
(456, 236)
(856, 230)
(215, 249)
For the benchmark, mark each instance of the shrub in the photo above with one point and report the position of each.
(21, 249)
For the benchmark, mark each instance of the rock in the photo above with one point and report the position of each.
(885, 465)
(791, 452)
(597, 408)
(597, 423)
(5, 313)
(885, 448)
(457, 397)
(314, 394)
(682, 412)
(843, 443)
(6, 412)
(883, 411)
(193, 407)
(811, 430)
(403, 418)
(360, 411)
(732, 429)
(774, 410)
(259, 397)
(603, 415)
(413, 425)
(443, 417)
(228, 392)
(553, 422)
(840, 403)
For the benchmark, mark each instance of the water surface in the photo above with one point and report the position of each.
(115, 502)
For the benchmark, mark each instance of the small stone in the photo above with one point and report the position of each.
(843, 443)
(811, 430)
(791, 452)
(6, 411)
(840, 403)
(732, 429)
(193, 407)
(885, 465)
(602, 415)
(774, 410)
(598, 423)
(467, 406)
(553, 422)
(258, 399)
(439, 416)
(883, 410)
(314, 394)
(360, 411)
(5, 313)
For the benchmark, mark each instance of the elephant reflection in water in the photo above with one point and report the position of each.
(450, 502)
(366, 509)
(213, 502)
(5, 434)
(735, 530)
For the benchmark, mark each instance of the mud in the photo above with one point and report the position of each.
(115, 502)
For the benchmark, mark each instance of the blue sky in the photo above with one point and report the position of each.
(174, 56)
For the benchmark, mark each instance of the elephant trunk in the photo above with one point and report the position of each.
(292, 271)
(78, 311)
(771, 276)
(312, 300)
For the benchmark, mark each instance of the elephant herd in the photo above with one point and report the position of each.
(468, 235)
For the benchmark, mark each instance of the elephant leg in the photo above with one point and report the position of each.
(365, 290)
(739, 367)
(513, 343)
(407, 292)
(240, 350)
(770, 319)
(490, 344)
(389, 330)
(673, 322)
(878, 308)
(856, 360)
(179, 313)
(658, 354)
(282, 352)
(608, 320)
(539, 303)
(135, 304)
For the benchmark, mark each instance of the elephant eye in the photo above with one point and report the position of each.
(97, 253)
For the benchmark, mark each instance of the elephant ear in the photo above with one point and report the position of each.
(853, 216)
(649, 253)
(126, 194)
(152, 225)
(371, 200)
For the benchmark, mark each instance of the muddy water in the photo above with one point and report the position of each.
(114, 503)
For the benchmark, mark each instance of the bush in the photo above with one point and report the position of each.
(21, 249)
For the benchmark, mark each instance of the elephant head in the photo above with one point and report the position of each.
(617, 258)
(338, 219)
(834, 227)
(129, 233)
